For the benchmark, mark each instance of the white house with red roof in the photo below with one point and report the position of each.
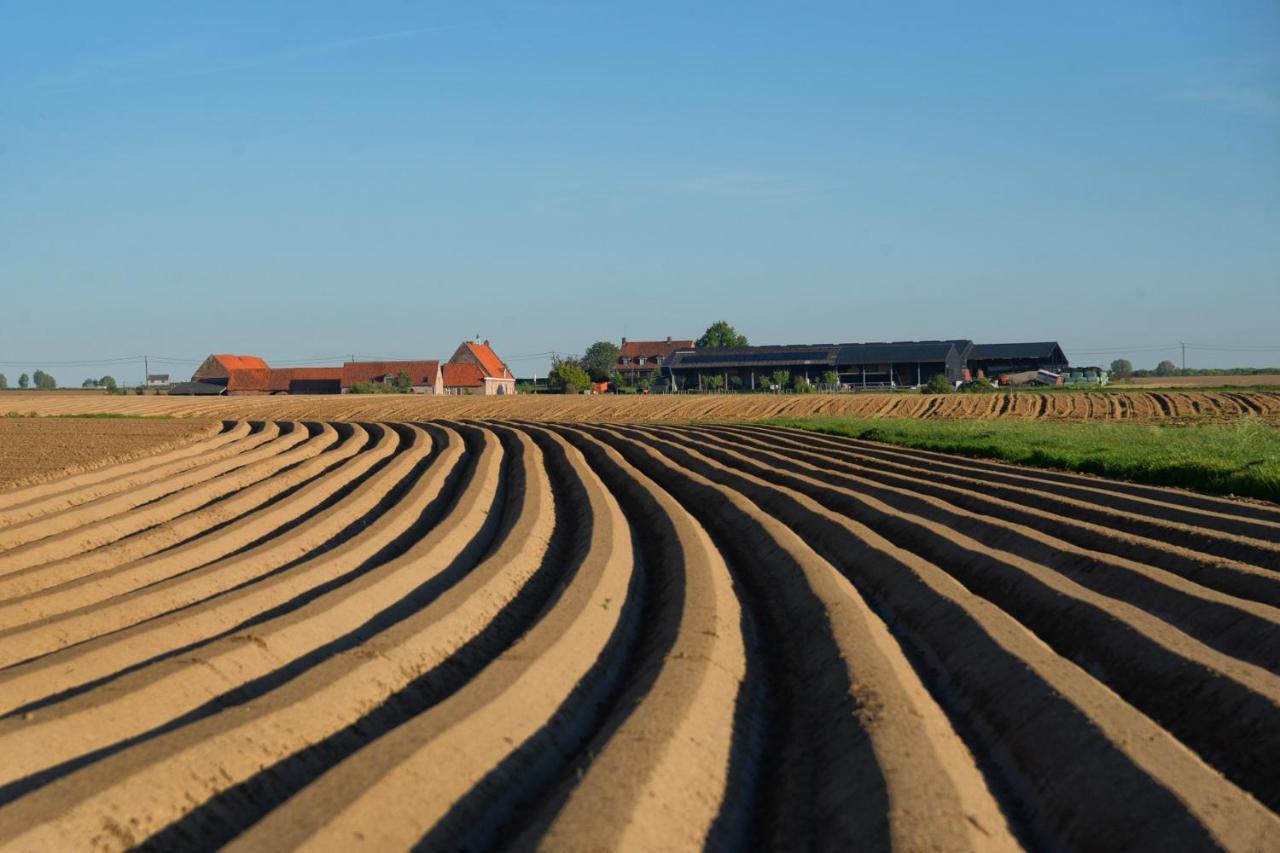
(474, 368)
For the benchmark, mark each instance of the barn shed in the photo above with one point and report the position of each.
(994, 360)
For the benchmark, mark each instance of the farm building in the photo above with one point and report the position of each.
(638, 359)
(474, 369)
(424, 376)
(490, 376)
(995, 360)
(157, 380)
(870, 365)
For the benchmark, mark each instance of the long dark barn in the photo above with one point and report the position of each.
(999, 359)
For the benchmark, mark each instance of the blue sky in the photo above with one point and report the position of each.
(307, 179)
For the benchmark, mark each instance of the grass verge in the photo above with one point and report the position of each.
(1241, 458)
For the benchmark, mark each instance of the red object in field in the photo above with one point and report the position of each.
(599, 387)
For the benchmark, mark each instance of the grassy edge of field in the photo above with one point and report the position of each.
(1238, 459)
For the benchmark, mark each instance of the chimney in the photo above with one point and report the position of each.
(624, 342)
(668, 339)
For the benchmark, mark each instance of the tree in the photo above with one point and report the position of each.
(1166, 368)
(600, 361)
(720, 335)
(24, 381)
(780, 378)
(831, 380)
(89, 383)
(715, 382)
(108, 382)
(4, 382)
(404, 383)
(44, 381)
(938, 384)
(801, 385)
(1122, 368)
(567, 377)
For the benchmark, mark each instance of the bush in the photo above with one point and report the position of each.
(980, 386)
(803, 386)
(567, 378)
(938, 384)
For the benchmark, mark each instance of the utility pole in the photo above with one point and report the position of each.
(146, 370)
(1184, 354)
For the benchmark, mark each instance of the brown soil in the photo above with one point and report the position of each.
(1136, 405)
(32, 449)
(471, 635)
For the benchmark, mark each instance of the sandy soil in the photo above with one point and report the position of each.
(335, 635)
(36, 449)
(1138, 405)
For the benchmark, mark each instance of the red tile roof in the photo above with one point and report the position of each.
(489, 360)
(463, 375)
(259, 379)
(241, 362)
(421, 372)
(651, 349)
(316, 372)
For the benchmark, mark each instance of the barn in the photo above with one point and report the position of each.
(994, 360)
(424, 376)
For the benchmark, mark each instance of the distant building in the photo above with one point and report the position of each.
(996, 360)
(424, 376)
(638, 359)
(157, 380)
(489, 376)
(474, 369)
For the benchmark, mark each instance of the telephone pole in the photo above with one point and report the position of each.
(146, 370)
(1184, 354)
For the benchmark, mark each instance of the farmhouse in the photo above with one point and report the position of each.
(157, 380)
(474, 369)
(638, 359)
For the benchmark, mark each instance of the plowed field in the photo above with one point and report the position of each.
(37, 449)
(454, 634)
(1134, 405)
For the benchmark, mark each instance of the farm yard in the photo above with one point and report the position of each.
(312, 629)
(1154, 406)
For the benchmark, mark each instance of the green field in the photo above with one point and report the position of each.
(1233, 459)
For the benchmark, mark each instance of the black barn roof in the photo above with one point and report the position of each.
(767, 356)
(897, 352)
(1037, 349)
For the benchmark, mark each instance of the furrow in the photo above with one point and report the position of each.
(231, 593)
(658, 780)
(154, 697)
(80, 487)
(1223, 708)
(1026, 488)
(102, 521)
(520, 716)
(1044, 724)
(1242, 628)
(862, 731)
(1208, 568)
(186, 542)
(371, 646)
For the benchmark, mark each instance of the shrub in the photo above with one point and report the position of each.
(567, 378)
(980, 386)
(938, 384)
(803, 386)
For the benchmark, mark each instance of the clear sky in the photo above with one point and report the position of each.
(298, 180)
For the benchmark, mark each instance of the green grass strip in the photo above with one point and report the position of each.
(1241, 458)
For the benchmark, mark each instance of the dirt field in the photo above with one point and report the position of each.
(657, 637)
(32, 450)
(1149, 406)
(1201, 381)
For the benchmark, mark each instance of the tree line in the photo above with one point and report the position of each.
(41, 380)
